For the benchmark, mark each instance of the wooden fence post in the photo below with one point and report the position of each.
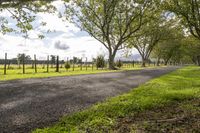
(47, 63)
(81, 65)
(86, 64)
(73, 64)
(57, 64)
(35, 63)
(5, 63)
(23, 62)
(92, 65)
(68, 64)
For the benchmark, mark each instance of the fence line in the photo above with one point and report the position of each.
(58, 64)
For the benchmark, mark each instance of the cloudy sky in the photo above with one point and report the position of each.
(66, 41)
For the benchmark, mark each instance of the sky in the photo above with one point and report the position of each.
(67, 40)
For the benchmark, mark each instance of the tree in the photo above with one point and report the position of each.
(155, 30)
(20, 58)
(53, 60)
(192, 49)
(100, 61)
(23, 12)
(167, 47)
(166, 50)
(67, 65)
(111, 22)
(188, 11)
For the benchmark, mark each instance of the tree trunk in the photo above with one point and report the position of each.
(143, 62)
(198, 60)
(158, 62)
(111, 62)
(166, 61)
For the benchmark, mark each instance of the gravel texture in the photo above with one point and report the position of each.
(36, 103)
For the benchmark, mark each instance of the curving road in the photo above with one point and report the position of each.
(36, 103)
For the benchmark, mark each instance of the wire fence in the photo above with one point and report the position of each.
(25, 66)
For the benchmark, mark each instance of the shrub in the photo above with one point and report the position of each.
(119, 63)
(100, 61)
(67, 65)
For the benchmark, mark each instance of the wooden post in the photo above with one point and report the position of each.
(133, 63)
(48, 63)
(5, 63)
(73, 64)
(68, 63)
(23, 62)
(57, 64)
(35, 63)
(81, 65)
(92, 65)
(86, 64)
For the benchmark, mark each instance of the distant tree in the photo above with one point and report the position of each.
(20, 58)
(67, 65)
(53, 60)
(166, 48)
(191, 47)
(119, 63)
(155, 30)
(100, 61)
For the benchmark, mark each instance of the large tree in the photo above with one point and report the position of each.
(189, 13)
(166, 50)
(167, 47)
(192, 49)
(156, 29)
(111, 22)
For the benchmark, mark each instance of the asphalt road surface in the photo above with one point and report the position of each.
(35, 103)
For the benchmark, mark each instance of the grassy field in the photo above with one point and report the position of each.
(15, 73)
(166, 104)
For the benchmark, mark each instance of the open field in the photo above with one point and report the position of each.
(36, 103)
(15, 73)
(166, 104)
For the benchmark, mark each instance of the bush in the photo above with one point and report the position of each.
(67, 65)
(119, 63)
(100, 61)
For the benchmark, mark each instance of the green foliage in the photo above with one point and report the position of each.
(119, 63)
(156, 29)
(16, 72)
(23, 13)
(20, 58)
(67, 65)
(169, 49)
(100, 61)
(53, 59)
(188, 12)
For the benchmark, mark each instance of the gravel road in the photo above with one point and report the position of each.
(36, 103)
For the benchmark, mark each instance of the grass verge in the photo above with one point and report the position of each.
(161, 93)
(17, 73)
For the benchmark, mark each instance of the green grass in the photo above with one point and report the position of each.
(16, 73)
(176, 87)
